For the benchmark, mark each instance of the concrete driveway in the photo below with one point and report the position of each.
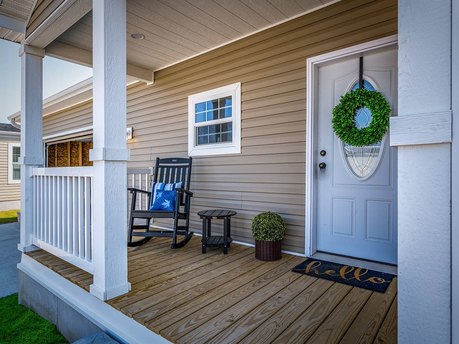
(9, 257)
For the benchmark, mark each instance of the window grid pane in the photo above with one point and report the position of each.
(16, 153)
(16, 172)
(214, 109)
(216, 133)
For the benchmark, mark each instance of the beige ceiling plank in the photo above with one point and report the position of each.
(212, 23)
(77, 55)
(160, 35)
(152, 15)
(192, 25)
(245, 13)
(222, 14)
(67, 14)
(289, 8)
(265, 9)
(306, 5)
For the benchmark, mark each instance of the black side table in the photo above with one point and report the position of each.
(216, 241)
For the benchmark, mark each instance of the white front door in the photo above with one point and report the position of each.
(357, 189)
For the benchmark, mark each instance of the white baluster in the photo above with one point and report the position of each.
(81, 222)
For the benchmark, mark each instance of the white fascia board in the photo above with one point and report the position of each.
(12, 24)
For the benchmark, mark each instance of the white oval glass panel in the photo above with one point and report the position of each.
(363, 161)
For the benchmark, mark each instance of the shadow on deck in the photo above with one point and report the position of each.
(189, 297)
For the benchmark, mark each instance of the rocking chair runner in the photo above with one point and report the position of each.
(168, 171)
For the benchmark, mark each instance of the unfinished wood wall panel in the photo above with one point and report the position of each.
(269, 174)
(68, 154)
(8, 192)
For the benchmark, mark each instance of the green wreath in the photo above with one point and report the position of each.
(343, 120)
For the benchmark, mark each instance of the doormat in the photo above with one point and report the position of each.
(346, 274)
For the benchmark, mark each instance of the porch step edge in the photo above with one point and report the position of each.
(110, 320)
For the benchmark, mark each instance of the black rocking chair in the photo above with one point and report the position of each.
(169, 170)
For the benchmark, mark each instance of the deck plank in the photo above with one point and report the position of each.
(265, 310)
(137, 300)
(307, 323)
(216, 283)
(273, 326)
(388, 332)
(189, 262)
(216, 323)
(189, 297)
(244, 293)
(245, 279)
(366, 325)
(334, 327)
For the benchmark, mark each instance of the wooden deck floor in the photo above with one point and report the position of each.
(188, 297)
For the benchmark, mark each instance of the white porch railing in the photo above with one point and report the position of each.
(139, 178)
(63, 216)
(62, 221)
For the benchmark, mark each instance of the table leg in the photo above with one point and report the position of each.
(209, 233)
(229, 230)
(204, 235)
(225, 235)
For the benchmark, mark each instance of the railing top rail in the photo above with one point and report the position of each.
(85, 171)
(144, 170)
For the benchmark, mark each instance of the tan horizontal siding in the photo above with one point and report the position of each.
(8, 192)
(70, 119)
(269, 174)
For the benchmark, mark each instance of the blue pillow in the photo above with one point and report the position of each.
(163, 187)
(165, 200)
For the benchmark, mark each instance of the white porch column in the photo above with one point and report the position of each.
(423, 131)
(110, 152)
(31, 134)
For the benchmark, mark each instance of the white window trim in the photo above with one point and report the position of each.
(234, 147)
(10, 163)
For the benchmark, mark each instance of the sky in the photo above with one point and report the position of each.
(57, 76)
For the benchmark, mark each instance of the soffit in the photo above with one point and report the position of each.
(17, 10)
(176, 30)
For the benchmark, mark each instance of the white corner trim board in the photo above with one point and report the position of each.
(101, 314)
(419, 129)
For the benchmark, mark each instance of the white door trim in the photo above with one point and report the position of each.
(310, 244)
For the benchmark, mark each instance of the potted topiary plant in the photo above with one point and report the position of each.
(268, 230)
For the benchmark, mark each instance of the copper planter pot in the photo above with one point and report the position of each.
(268, 250)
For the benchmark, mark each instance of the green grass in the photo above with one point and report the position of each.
(8, 216)
(18, 324)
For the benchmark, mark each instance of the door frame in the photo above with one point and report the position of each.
(312, 65)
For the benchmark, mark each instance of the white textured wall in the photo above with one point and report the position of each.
(455, 171)
(424, 190)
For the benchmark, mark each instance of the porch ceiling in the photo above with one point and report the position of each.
(174, 30)
(13, 18)
(177, 30)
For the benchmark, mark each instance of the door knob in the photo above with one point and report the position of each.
(322, 165)
(323, 153)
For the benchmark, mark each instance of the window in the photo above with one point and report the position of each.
(14, 168)
(214, 121)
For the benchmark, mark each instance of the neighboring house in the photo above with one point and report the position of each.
(247, 89)
(10, 169)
